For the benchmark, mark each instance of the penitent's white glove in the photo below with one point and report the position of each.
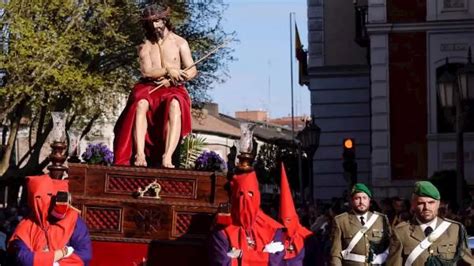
(69, 252)
(273, 247)
(234, 253)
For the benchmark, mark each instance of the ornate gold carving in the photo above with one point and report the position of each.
(154, 188)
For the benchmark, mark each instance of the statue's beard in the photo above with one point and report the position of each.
(159, 33)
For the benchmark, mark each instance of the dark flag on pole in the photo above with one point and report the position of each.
(302, 57)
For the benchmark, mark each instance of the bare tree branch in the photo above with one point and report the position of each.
(89, 125)
(15, 125)
(11, 106)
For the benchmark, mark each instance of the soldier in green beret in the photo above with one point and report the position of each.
(428, 240)
(360, 237)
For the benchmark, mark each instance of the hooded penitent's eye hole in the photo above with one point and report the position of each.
(50, 194)
(250, 193)
(241, 193)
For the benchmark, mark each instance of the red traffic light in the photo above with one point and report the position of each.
(349, 163)
(348, 143)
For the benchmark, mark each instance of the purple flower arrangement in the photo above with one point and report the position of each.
(209, 161)
(98, 154)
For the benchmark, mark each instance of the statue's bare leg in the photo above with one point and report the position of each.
(173, 134)
(140, 132)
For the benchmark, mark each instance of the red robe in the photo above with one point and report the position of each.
(37, 233)
(157, 119)
(263, 230)
(295, 232)
(249, 220)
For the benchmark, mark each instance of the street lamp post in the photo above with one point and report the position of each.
(309, 138)
(454, 88)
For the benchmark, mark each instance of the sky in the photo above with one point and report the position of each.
(260, 78)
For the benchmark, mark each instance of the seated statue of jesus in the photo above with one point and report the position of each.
(154, 120)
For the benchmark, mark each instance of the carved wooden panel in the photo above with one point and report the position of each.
(148, 221)
(189, 199)
(103, 219)
(188, 224)
(170, 187)
(76, 178)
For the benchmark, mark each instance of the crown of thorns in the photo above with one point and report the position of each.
(152, 16)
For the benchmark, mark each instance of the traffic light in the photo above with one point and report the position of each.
(349, 163)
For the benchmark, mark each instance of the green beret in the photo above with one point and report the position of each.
(426, 189)
(359, 187)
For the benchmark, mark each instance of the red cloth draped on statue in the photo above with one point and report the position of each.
(157, 119)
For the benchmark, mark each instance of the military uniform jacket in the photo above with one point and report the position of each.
(346, 225)
(406, 236)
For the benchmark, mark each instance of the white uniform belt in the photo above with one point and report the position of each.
(378, 259)
(346, 253)
(355, 257)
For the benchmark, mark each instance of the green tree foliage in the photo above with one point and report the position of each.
(80, 57)
(268, 164)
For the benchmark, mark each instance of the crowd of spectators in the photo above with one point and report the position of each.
(9, 219)
(317, 216)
